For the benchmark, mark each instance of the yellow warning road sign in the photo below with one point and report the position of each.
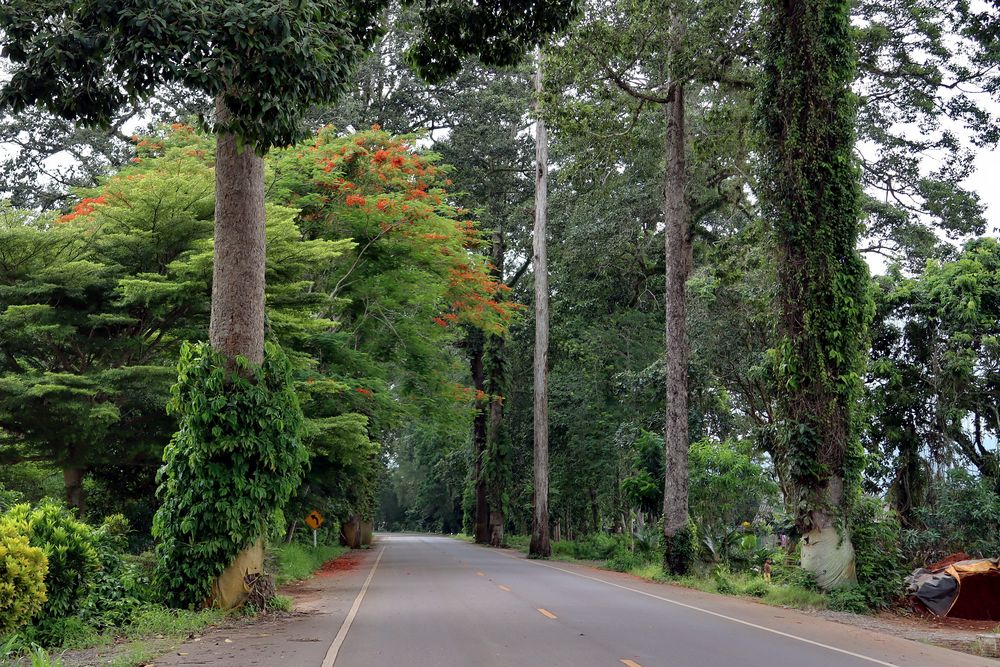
(314, 519)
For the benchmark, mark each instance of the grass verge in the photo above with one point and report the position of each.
(296, 562)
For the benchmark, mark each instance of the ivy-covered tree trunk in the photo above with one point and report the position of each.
(237, 324)
(676, 534)
(236, 328)
(540, 546)
(812, 198)
(481, 516)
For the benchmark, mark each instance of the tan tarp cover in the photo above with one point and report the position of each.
(829, 556)
(230, 590)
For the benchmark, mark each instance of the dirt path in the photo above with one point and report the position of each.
(301, 637)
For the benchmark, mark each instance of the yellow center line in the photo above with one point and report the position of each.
(480, 574)
(629, 663)
(546, 612)
(503, 588)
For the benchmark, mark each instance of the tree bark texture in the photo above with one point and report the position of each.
(678, 260)
(540, 546)
(496, 386)
(236, 327)
(481, 516)
(238, 269)
(73, 482)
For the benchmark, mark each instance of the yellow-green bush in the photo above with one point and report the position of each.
(22, 578)
(68, 545)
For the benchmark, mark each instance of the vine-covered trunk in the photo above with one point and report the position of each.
(676, 534)
(540, 545)
(481, 513)
(237, 323)
(236, 327)
(812, 198)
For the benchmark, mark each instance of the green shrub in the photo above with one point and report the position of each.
(756, 588)
(68, 545)
(876, 536)
(22, 578)
(234, 461)
(67, 632)
(280, 603)
(623, 560)
(723, 583)
(854, 600)
(790, 574)
(121, 585)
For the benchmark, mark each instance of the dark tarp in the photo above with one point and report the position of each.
(963, 589)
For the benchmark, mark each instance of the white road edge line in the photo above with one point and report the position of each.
(710, 613)
(338, 641)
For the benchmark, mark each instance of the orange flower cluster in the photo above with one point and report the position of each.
(355, 200)
(85, 207)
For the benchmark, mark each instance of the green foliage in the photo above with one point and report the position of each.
(9, 498)
(296, 561)
(853, 600)
(123, 584)
(234, 462)
(811, 199)
(268, 61)
(281, 603)
(158, 620)
(728, 483)
(961, 517)
(22, 575)
(881, 567)
(935, 373)
(679, 550)
(69, 548)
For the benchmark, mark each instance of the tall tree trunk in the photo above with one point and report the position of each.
(481, 516)
(677, 550)
(811, 195)
(499, 477)
(540, 546)
(73, 482)
(237, 320)
(237, 323)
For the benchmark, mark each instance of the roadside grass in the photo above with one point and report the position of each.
(296, 562)
(156, 620)
(138, 653)
(777, 594)
(740, 585)
(280, 603)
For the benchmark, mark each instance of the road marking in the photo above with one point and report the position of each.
(629, 663)
(503, 588)
(866, 658)
(338, 641)
(480, 574)
(546, 612)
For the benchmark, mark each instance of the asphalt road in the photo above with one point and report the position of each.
(434, 601)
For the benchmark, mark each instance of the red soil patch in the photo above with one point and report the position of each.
(344, 563)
